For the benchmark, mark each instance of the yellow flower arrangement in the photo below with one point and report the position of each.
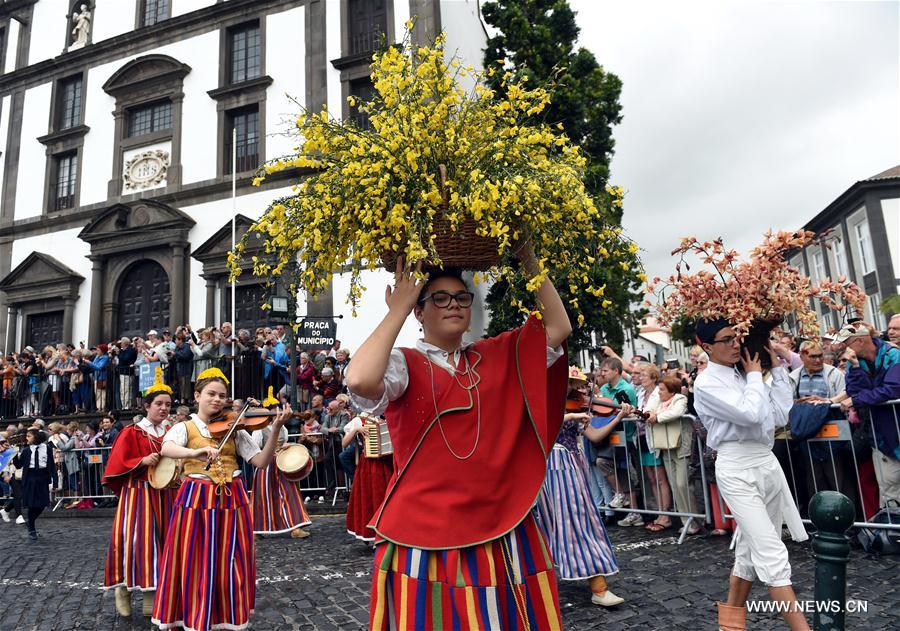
(434, 151)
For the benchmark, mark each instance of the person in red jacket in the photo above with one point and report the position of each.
(142, 515)
(471, 426)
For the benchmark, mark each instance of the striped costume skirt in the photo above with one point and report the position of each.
(506, 583)
(208, 570)
(570, 519)
(277, 503)
(370, 483)
(138, 534)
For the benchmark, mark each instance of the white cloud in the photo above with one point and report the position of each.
(744, 115)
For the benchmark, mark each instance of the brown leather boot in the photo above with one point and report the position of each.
(732, 618)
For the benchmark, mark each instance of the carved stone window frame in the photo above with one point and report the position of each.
(58, 142)
(232, 96)
(139, 14)
(143, 81)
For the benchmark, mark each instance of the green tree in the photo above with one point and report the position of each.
(536, 39)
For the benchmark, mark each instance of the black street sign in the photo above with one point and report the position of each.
(317, 334)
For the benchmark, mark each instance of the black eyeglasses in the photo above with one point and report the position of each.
(728, 339)
(442, 299)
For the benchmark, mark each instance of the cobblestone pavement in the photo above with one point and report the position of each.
(322, 582)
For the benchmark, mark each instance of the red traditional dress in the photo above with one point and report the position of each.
(370, 483)
(208, 568)
(277, 503)
(457, 545)
(142, 516)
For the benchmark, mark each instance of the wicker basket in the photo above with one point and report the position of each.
(461, 248)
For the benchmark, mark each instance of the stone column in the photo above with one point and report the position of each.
(12, 326)
(210, 300)
(176, 287)
(68, 319)
(95, 328)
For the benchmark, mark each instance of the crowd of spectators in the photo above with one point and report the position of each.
(65, 380)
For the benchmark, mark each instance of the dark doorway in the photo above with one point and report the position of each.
(44, 329)
(143, 300)
(249, 313)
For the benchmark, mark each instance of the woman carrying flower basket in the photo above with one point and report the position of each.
(471, 426)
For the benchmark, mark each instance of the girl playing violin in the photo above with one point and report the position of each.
(208, 569)
(565, 510)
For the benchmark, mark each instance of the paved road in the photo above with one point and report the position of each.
(322, 583)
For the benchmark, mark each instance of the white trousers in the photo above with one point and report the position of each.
(753, 485)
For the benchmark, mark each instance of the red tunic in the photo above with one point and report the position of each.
(436, 500)
(132, 444)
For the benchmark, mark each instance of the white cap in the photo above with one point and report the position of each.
(854, 329)
(152, 332)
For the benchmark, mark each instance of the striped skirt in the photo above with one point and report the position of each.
(370, 483)
(208, 570)
(138, 534)
(567, 515)
(507, 583)
(277, 503)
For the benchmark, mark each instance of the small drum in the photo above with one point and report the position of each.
(294, 462)
(166, 471)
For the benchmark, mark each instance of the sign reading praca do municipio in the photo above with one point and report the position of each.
(317, 334)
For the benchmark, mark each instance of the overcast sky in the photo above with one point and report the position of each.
(744, 115)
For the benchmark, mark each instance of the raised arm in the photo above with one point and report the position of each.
(365, 376)
(556, 320)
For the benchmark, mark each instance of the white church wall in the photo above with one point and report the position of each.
(32, 154)
(281, 111)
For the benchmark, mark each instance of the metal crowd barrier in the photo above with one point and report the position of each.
(328, 475)
(87, 484)
(838, 435)
(646, 491)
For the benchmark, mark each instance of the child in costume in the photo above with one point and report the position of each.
(208, 569)
(142, 515)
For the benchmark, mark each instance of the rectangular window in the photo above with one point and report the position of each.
(154, 11)
(866, 257)
(149, 118)
(840, 261)
(69, 103)
(244, 52)
(244, 125)
(365, 91)
(66, 171)
(874, 314)
(367, 25)
(819, 265)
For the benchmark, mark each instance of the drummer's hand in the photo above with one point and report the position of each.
(402, 297)
(206, 453)
(150, 461)
(284, 413)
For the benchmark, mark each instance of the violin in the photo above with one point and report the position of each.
(599, 406)
(250, 420)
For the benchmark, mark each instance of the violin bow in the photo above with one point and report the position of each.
(231, 430)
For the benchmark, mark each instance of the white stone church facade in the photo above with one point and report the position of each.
(116, 119)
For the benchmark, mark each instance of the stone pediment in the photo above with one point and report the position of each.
(213, 252)
(143, 71)
(38, 277)
(136, 222)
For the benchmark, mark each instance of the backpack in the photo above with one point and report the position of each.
(882, 541)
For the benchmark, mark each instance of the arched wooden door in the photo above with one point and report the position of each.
(143, 299)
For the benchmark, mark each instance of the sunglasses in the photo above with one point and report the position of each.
(442, 299)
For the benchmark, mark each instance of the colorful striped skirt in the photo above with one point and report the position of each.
(370, 483)
(277, 503)
(208, 570)
(138, 534)
(567, 515)
(507, 583)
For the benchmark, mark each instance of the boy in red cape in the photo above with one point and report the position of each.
(471, 426)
